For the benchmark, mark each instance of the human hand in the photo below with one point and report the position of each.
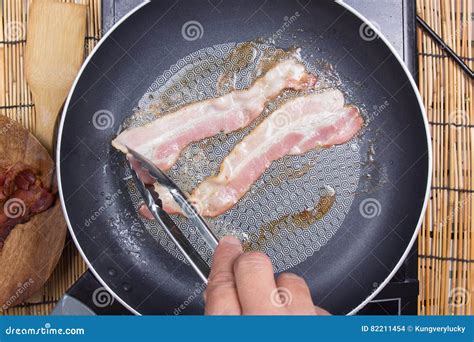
(244, 284)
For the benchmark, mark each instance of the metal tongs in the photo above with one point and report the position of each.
(150, 198)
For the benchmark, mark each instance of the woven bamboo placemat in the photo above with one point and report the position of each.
(16, 103)
(446, 242)
(446, 261)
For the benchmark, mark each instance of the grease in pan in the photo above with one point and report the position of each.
(162, 140)
(312, 119)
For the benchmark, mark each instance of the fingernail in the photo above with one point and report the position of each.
(232, 240)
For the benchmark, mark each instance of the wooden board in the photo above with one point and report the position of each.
(32, 249)
(16, 103)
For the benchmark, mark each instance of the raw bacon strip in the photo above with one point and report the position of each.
(162, 140)
(318, 120)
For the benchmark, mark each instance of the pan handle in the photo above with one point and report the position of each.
(88, 297)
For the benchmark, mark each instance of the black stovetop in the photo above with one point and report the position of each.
(396, 20)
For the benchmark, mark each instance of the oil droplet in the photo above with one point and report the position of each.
(126, 287)
(308, 217)
(271, 58)
(240, 58)
(371, 153)
(302, 220)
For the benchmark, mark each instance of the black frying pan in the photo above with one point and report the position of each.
(354, 264)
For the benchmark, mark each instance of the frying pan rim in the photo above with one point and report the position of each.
(339, 2)
(58, 158)
(428, 144)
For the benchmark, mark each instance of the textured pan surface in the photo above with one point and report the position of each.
(387, 202)
(298, 204)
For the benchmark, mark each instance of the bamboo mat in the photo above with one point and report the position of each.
(446, 243)
(16, 103)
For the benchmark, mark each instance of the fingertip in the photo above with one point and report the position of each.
(221, 293)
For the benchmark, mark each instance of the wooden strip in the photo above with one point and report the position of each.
(16, 103)
(446, 237)
(2, 64)
(441, 56)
